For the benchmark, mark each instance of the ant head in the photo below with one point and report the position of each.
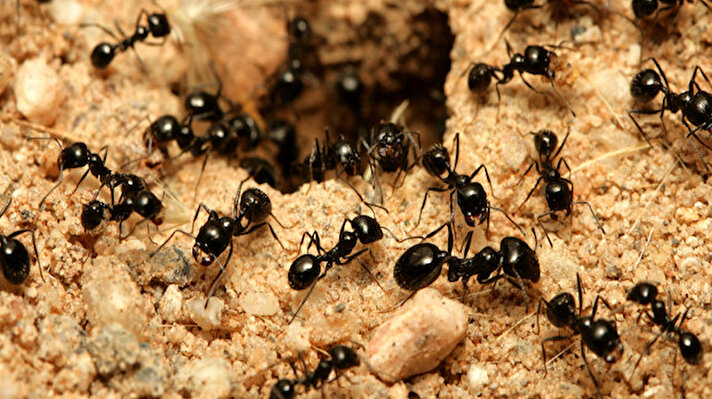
(93, 214)
(222, 137)
(255, 205)
(436, 160)
(94, 160)
(15, 260)
(690, 347)
(419, 266)
(283, 389)
(479, 78)
(102, 55)
(561, 310)
(303, 272)
(557, 192)
(148, 205)
(644, 8)
(472, 200)
(74, 156)
(246, 128)
(202, 105)
(545, 142)
(488, 261)
(132, 183)
(158, 25)
(602, 338)
(645, 85)
(659, 310)
(165, 129)
(212, 239)
(343, 357)
(643, 293)
(388, 134)
(366, 229)
(142, 32)
(518, 259)
(517, 60)
(346, 156)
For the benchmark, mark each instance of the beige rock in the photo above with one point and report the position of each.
(207, 378)
(417, 339)
(40, 92)
(171, 304)
(259, 303)
(207, 318)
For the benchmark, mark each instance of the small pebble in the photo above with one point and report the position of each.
(477, 378)
(207, 378)
(207, 318)
(40, 93)
(418, 338)
(171, 304)
(114, 349)
(66, 12)
(259, 303)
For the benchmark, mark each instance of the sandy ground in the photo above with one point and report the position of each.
(109, 321)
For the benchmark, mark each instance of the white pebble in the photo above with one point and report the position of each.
(207, 318)
(259, 303)
(171, 303)
(207, 378)
(477, 378)
(417, 339)
(40, 93)
(66, 12)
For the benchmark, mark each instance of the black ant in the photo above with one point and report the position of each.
(471, 197)
(600, 336)
(14, 258)
(143, 202)
(520, 6)
(694, 104)
(289, 84)
(215, 235)
(420, 265)
(341, 358)
(558, 191)
(688, 343)
(306, 270)
(157, 26)
(646, 8)
(261, 170)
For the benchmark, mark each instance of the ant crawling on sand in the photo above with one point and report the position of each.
(215, 236)
(143, 202)
(688, 343)
(340, 358)
(536, 60)
(14, 258)
(558, 191)
(600, 336)
(470, 196)
(306, 270)
(157, 26)
(420, 265)
(695, 104)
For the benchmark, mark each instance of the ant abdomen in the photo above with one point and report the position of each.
(303, 272)
(645, 85)
(419, 266)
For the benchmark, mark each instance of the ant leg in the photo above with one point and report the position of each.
(637, 125)
(509, 218)
(464, 72)
(531, 191)
(200, 176)
(556, 154)
(253, 228)
(301, 304)
(694, 76)
(214, 284)
(538, 311)
(546, 231)
(34, 244)
(61, 178)
(456, 144)
(468, 241)
(360, 197)
(425, 199)
(697, 150)
(197, 212)
(590, 372)
(561, 96)
(551, 339)
(520, 284)
(525, 173)
(580, 294)
(436, 231)
(646, 351)
(472, 176)
(365, 268)
(595, 217)
(399, 240)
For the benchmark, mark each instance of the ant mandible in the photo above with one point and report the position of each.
(558, 191)
(695, 104)
(470, 195)
(341, 358)
(215, 236)
(158, 27)
(306, 270)
(600, 336)
(14, 258)
(420, 265)
(690, 347)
